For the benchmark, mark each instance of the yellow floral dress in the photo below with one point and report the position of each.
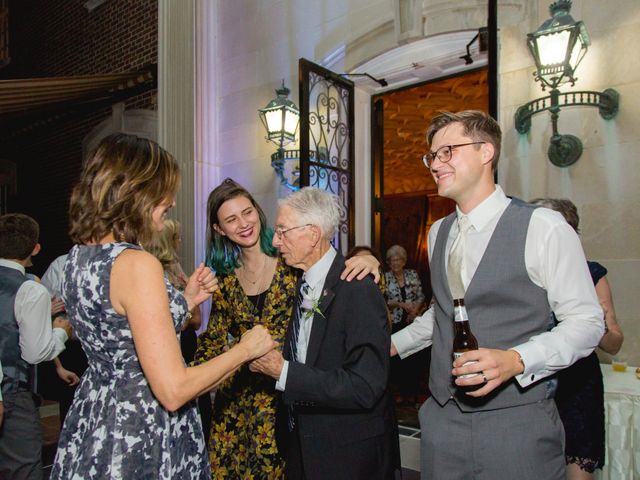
(242, 443)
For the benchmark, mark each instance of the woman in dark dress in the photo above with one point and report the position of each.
(580, 393)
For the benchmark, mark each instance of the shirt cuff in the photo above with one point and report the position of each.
(281, 383)
(60, 336)
(534, 364)
(405, 344)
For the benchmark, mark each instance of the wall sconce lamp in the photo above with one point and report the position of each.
(558, 46)
(281, 118)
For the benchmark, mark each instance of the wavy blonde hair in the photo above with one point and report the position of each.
(120, 185)
(164, 245)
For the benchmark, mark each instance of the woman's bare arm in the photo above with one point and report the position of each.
(138, 292)
(612, 339)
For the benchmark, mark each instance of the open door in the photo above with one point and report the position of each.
(326, 141)
(377, 177)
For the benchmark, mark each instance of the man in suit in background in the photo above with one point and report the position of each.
(513, 264)
(336, 420)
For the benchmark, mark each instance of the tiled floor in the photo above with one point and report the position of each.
(407, 419)
(50, 420)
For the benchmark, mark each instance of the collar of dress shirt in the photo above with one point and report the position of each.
(316, 275)
(487, 210)
(11, 264)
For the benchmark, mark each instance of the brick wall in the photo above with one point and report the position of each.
(61, 38)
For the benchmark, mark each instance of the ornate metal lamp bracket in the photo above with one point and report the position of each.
(566, 149)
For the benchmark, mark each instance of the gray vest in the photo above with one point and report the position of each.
(505, 309)
(14, 368)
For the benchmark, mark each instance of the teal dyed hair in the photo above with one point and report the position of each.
(223, 255)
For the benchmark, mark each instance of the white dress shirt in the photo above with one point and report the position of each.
(555, 261)
(52, 278)
(38, 341)
(315, 278)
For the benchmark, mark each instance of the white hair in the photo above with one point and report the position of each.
(317, 207)
(397, 251)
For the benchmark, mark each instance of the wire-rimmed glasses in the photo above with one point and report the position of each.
(281, 232)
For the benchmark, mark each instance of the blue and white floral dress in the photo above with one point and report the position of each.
(116, 428)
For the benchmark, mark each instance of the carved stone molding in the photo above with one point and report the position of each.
(407, 20)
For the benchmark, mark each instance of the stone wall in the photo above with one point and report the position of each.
(259, 43)
(604, 181)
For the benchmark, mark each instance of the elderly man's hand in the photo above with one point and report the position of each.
(269, 364)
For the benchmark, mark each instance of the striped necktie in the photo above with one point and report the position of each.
(293, 340)
(295, 320)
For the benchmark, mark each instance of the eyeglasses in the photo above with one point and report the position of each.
(281, 232)
(443, 153)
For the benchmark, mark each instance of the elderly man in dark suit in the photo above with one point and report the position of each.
(335, 419)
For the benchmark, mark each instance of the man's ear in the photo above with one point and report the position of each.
(36, 250)
(488, 152)
(317, 234)
(218, 230)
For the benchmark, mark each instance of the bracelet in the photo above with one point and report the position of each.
(188, 316)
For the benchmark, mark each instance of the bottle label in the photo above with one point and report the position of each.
(468, 375)
(460, 315)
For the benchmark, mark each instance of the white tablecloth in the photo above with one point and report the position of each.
(622, 424)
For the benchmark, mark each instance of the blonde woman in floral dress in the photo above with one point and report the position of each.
(255, 287)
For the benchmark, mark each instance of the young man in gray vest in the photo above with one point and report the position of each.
(513, 265)
(26, 338)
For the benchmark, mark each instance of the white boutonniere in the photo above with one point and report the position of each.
(313, 306)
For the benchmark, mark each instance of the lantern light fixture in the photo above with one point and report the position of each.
(281, 118)
(558, 46)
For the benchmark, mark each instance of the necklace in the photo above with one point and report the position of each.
(260, 272)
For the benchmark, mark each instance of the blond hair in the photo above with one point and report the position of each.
(164, 245)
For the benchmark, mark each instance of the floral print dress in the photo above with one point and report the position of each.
(412, 292)
(116, 428)
(242, 442)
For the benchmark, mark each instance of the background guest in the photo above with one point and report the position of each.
(165, 246)
(26, 339)
(405, 299)
(132, 416)
(72, 362)
(256, 288)
(580, 393)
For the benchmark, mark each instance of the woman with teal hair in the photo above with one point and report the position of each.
(255, 288)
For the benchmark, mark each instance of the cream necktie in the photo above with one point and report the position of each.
(456, 256)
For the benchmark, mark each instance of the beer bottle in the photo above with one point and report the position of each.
(463, 339)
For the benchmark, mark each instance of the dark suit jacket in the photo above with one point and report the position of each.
(344, 413)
